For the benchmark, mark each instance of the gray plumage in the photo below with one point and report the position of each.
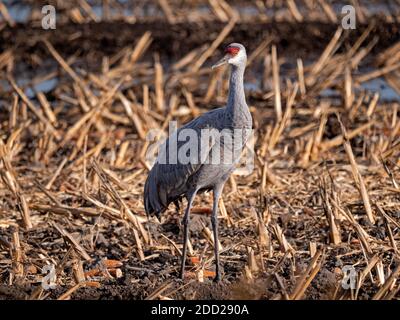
(168, 182)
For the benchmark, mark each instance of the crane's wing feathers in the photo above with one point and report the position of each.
(169, 177)
(175, 173)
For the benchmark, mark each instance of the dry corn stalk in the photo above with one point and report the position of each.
(358, 179)
(9, 178)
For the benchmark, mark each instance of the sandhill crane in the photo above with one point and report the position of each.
(169, 181)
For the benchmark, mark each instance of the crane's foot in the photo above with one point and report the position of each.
(217, 277)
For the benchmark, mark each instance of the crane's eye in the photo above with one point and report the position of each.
(232, 50)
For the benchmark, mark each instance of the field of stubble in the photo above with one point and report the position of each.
(77, 102)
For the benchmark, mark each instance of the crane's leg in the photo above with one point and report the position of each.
(214, 222)
(190, 197)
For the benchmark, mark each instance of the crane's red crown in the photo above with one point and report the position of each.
(232, 50)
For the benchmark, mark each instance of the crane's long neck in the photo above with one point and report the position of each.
(237, 105)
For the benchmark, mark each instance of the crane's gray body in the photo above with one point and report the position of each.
(169, 180)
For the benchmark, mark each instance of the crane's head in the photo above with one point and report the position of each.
(235, 54)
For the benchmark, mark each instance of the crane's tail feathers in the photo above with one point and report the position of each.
(154, 202)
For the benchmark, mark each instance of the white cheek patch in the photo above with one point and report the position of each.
(235, 59)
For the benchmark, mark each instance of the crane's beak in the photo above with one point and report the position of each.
(221, 62)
